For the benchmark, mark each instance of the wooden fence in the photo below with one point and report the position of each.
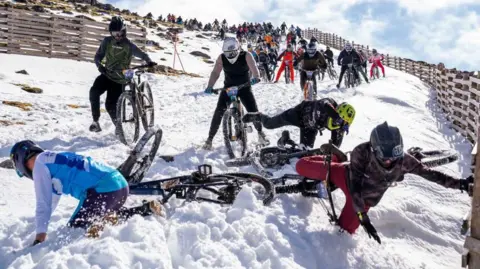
(54, 36)
(458, 93)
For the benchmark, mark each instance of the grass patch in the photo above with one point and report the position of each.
(21, 105)
(9, 123)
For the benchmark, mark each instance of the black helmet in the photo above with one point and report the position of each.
(117, 24)
(387, 143)
(20, 153)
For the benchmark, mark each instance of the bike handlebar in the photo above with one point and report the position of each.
(241, 86)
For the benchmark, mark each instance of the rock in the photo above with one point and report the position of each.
(46, 3)
(169, 53)
(7, 164)
(24, 72)
(163, 59)
(126, 12)
(205, 48)
(168, 71)
(38, 9)
(209, 61)
(200, 54)
(200, 36)
(67, 12)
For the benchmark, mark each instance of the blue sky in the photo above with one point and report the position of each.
(434, 31)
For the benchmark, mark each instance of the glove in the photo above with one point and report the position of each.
(102, 69)
(465, 182)
(254, 81)
(152, 64)
(367, 225)
(209, 90)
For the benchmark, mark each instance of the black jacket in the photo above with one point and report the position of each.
(315, 114)
(345, 58)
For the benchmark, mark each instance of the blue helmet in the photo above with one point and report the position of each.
(20, 153)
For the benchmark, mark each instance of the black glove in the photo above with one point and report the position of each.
(367, 225)
(465, 182)
(152, 64)
(102, 69)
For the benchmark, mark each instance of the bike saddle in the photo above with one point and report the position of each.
(285, 140)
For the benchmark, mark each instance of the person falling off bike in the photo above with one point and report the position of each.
(311, 60)
(311, 117)
(236, 65)
(374, 166)
(348, 56)
(118, 51)
(376, 60)
(101, 190)
(288, 56)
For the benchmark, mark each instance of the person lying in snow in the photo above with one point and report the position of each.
(374, 166)
(102, 190)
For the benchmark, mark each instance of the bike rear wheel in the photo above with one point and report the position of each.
(127, 123)
(234, 133)
(287, 74)
(148, 114)
(141, 158)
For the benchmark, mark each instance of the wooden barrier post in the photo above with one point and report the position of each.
(472, 242)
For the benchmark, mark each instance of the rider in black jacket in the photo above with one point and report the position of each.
(347, 56)
(311, 117)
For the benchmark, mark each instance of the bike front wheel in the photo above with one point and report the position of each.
(127, 122)
(234, 133)
(148, 108)
(141, 157)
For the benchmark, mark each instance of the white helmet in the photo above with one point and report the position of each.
(231, 49)
(311, 49)
(348, 47)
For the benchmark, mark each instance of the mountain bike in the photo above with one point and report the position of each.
(376, 72)
(204, 186)
(134, 104)
(286, 150)
(331, 72)
(350, 80)
(309, 93)
(287, 72)
(234, 130)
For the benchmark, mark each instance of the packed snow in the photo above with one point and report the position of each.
(418, 221)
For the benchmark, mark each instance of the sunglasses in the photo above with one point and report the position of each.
(116, 33)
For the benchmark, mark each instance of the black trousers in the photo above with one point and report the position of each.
(101, 85)
(248, 101)
(303, 80)
(267, 70)
(342, 72)
(291, 117)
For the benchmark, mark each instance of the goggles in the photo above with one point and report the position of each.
(230, 54)
(116, 33)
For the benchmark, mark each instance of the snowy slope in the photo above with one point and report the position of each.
(417, 220)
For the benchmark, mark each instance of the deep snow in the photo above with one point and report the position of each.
(418, 221)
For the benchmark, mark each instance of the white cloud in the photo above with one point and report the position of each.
(422, 7)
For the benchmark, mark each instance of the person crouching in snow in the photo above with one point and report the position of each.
(102, 190)
(374, 166)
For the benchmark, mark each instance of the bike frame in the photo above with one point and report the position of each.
(308, 88)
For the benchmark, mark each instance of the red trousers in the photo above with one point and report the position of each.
(315, 168)
(282, 68)
(380, 65)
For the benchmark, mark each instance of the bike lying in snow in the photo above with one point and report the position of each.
(286, 150)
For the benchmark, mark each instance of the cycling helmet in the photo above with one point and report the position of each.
(20, 153)
(117, 27)
(231, 49)
(374, 51)
(346, 113)
(311, 49)
(348, 47)
(387, 144)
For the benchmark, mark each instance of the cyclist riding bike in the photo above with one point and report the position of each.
(329, 55)
(311, 60)
(236, 64)
(348, 56)
(264, 61)
(118, 52)
(311, 117)
(288, 56)
(101, 190)
(374, 166)
(376, 60)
